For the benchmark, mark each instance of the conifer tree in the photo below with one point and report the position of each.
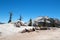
(52, 22)
(10, 19)
(30, 22)
(20, 18)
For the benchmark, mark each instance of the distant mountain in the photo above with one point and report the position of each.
(1, 23)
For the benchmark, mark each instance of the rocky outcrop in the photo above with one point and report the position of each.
(46, 21)
(19, 23)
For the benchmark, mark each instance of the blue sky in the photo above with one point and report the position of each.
(29, 9)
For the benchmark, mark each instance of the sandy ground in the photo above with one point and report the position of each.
(36, 35)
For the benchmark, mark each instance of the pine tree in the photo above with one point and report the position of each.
(20, 18)
(52, 22)
(30, 22)
(10, 19)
